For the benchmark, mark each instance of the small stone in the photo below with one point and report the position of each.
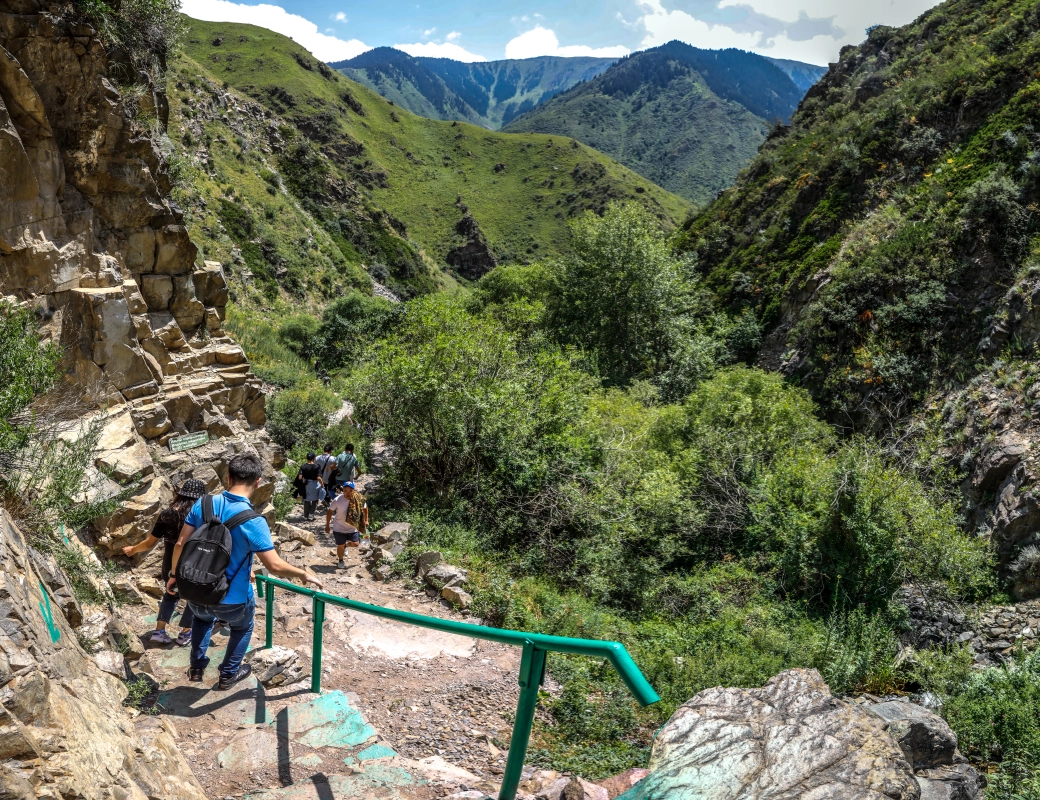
(457, 597)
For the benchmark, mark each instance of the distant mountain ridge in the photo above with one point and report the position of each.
(489, 93)
(686, 118)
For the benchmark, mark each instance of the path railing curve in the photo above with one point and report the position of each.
(534, 646)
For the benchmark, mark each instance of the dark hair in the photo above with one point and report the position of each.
(350, 448)
(245, 468)
(311, 456)
(328, 448)
(177, 511)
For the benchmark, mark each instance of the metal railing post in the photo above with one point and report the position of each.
(532, 673)
(319, 625)
(269, 618)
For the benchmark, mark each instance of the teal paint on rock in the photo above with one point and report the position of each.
(376, 751)
(328, 721)
(308, 761)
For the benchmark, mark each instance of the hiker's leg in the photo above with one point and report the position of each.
(167, 606)
(240, 619)
(201, 630)
(187, 616)
(341, 551)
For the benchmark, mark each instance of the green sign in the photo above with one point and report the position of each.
(189, 442)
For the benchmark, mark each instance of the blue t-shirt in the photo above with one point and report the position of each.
(248, 538)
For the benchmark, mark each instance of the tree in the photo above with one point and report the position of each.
(622, 293)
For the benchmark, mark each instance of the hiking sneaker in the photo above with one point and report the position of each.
(195, 675)
(342, 565)
(161, 637)
(243, 672)
(184, 637)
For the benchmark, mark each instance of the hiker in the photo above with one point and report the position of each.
(168, 528)
(348, 465)
(348, 517)
(327, 464)
(313, 488)
(249, 535)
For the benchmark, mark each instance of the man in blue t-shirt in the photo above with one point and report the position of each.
(238, 607)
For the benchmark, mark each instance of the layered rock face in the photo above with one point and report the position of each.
(89, 237)
(63, 732)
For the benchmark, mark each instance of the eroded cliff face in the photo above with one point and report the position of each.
(63, 731)
(89, 237)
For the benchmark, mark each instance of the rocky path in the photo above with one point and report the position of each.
(404, 712)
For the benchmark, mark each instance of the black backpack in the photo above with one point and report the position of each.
(202, 567)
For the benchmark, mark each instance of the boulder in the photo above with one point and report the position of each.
(957, 782)
(458, 598)
(382, 555)
(210, 285)
(619, 784)
(382, 572)
(441, 575)
(97, 332)
(284, 530)
(426, 561)
(273, 666)
(925, 739)
(157, 291)
(186, 308)
(392, 532)
(761, 743)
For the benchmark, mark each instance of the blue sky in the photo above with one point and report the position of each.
(472, 30)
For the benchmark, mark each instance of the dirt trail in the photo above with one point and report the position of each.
(404, 712)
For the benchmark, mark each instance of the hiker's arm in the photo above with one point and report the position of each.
(283, 569)
(186, 533)
(143, 546)
(328, 518)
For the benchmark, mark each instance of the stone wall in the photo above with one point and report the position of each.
(90, 238)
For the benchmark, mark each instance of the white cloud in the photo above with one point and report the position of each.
(454, 36)
(541, 41)
(445, 50)
(340, 17)
(276, 18)
(663, 26)
(429, 32)
(804, 30)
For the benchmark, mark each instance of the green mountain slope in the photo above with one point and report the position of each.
(686, 118)
(489, 93)
(877, 235)
(303, 178)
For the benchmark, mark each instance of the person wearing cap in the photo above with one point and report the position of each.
(327, 463)
(167, 528)
(313, 488)
(348, 518)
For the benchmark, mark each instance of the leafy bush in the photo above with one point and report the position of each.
(300, 416)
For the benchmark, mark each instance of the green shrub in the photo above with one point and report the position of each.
(300, 416)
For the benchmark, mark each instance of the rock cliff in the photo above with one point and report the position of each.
(63, 732)
(90, 238)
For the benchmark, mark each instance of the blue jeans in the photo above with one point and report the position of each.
(168, 605)
(239, 618)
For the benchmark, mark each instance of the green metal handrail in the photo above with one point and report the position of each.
(532, 659)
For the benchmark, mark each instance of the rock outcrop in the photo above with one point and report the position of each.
(63, 731)
(792, 739)
(471, 254)
(91, 240)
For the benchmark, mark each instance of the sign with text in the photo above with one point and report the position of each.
(181, 443)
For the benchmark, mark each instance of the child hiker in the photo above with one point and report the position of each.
(168, 528)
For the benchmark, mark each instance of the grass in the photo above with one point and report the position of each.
(419, 171)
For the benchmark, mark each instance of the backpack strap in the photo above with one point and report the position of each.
(241, 518)
(207, 509)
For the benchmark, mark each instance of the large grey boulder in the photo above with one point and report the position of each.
(442, 575)
(789, 739)
(925, 739)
